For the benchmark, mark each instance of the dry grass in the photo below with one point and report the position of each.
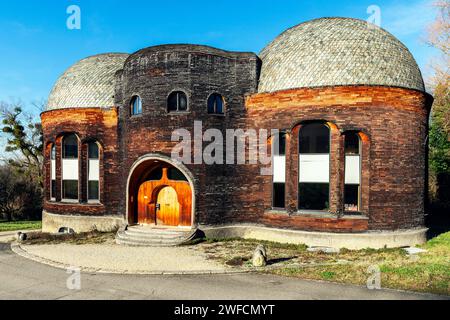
(93, 237)
(426, 272)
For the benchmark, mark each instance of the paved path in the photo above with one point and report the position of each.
(24, 279)
(115, 258)
(10, 235)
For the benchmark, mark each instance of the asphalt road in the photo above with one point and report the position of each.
(24, 279)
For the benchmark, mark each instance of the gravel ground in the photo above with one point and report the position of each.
(118, 258)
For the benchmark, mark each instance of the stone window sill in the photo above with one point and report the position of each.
(277, 211)
(75, 203)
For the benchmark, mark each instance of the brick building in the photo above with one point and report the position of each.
(348, 159)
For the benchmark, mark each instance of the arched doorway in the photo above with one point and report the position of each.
(159, 194)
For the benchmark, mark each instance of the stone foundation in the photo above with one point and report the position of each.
(354, 241)
(53, 222)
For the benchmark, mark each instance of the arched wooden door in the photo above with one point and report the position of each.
(167, 207)
(165, 202)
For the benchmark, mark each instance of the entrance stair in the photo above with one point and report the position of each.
(147, 236)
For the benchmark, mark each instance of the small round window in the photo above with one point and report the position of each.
(177, 102)
(215, 104)
(136, 105)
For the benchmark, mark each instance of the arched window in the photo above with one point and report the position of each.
(215, 104)
(279, 170)
(352, 192)
(93, 172)
(70, 171)
(314, 167)
(53, 173)
(177, 102)
(136, 105)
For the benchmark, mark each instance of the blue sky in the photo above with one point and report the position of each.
(36, 46)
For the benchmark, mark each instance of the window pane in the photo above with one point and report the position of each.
(351, 197)
(93, 151)
(352, 145)
(53, 153)
(219, 104)
(280, 144)
(70, 147)
(172, 102)
(314, 138)
(53, 189)
(93, 190)
(139, 105)
(182, 102)
(279, 190)
(314, 196)
(70, 189)
(211, 104)
(176, 175)
(136, 105)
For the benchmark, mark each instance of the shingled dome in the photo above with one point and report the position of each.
(336, 52)
(88, 83)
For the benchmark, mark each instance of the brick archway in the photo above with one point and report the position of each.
(137, 177)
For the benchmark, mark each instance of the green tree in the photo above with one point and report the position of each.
(24, 142)
(439, 83)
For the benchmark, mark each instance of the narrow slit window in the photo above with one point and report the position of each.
(352, 191)
(279, 171)
(314, 167)
(93, 172)
(53, 173)
(70, 168)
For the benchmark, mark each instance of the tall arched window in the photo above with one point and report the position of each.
(136, 106)
(177, 102)
(314, 167)
(93, 172)
(279, 170)
(215, 104)
(70, 170)
(53, 173)
(352, 192)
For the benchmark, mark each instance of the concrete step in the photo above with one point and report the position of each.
(150, 237)
(161, 234)
(133, 243)
(157, 237)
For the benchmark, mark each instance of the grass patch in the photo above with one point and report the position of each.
(94, 237)
(20, 225)
(426, 272)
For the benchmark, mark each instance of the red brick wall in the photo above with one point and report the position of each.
(394, 123)
(89, 124)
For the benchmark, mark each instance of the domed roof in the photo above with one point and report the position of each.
(88, 83)
(334, 52)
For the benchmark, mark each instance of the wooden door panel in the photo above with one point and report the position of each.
(169, 207)
(151, 192)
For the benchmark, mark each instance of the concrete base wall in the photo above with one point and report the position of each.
(354, 241)
(53, 222)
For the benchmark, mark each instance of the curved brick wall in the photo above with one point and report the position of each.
(199, 71)
(393, 120)
(394, 164)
